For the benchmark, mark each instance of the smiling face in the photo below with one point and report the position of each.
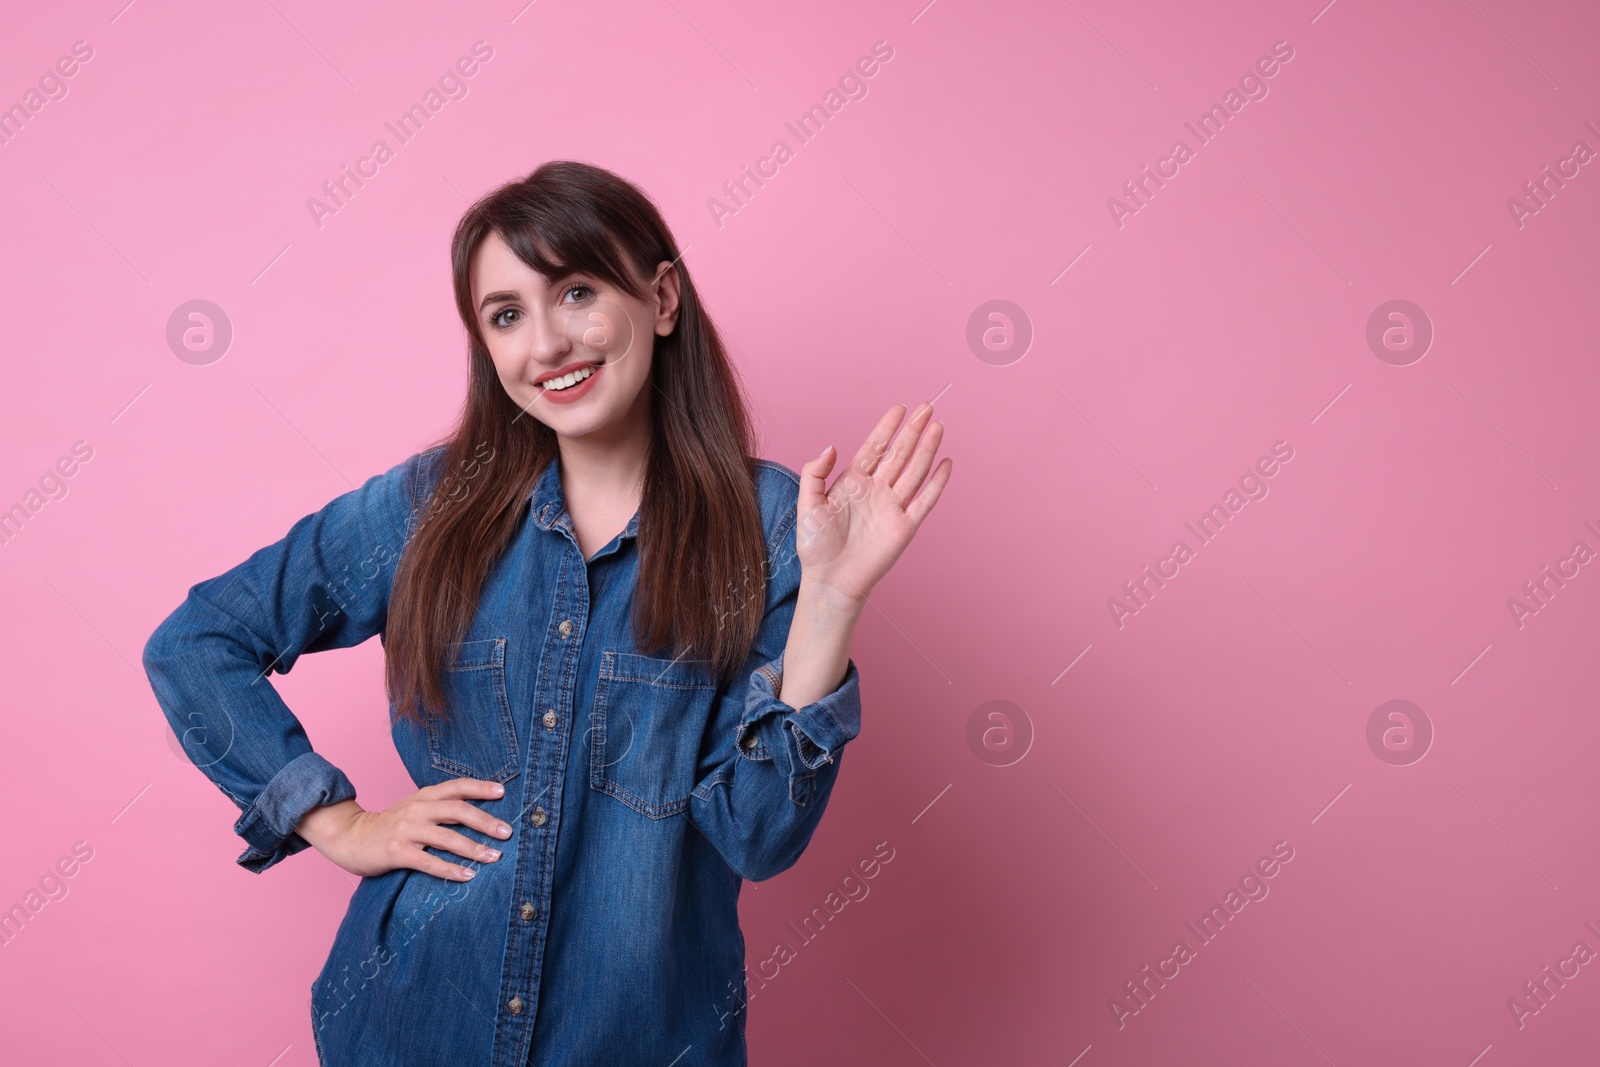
(574, 352)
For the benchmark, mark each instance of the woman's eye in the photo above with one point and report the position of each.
(576, 293)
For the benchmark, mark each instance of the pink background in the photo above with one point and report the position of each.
(1228, 314)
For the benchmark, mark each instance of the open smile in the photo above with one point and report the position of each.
(565, 387)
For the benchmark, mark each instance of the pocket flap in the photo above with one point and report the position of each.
(469, 655)
(651, 670)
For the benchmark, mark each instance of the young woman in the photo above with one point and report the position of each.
(617, 651)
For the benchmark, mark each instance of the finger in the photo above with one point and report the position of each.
(476, 788)
(877, 442)
(459, 844)
(906, 485)
(904, 442)
(426, 862)
(463, 813)
(814, 479)
(924, 501)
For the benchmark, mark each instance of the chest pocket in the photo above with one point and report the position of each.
(480, 739)
(644, 736)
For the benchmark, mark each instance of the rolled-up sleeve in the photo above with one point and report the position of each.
(817, 730)
(767, 768)
(324, 585)
(306, 782)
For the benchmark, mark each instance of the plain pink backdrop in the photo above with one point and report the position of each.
(1229, 313)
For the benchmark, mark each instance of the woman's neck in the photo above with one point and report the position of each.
(603, 483)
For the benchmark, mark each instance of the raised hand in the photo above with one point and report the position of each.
(850, 534)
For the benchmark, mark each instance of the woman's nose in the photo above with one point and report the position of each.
(547, 336)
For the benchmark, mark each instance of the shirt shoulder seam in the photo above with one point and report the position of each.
(772, 464)
(419, 476)
(790, 514)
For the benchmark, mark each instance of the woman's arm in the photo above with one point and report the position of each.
(769, 764)
(325, 585)
(763, 790)
(818, 649)
(848, 537)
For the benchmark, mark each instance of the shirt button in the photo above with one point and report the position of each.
(565, 628)
(528, 911)
(538, 818)
(550, 719)
(515, 1004)
(751, 741)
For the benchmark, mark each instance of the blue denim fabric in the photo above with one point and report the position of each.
(640, 792)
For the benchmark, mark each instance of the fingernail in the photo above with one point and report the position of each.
(825, 451)
(492, 853)
(467, 872)
(498, 790)
(503, 830)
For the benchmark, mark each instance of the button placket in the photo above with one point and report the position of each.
(547, 763)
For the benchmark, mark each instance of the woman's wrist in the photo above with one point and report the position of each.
(817, 654)
(831, 601)
(324, 824)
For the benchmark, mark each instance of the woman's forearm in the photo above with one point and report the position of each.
(818, 651)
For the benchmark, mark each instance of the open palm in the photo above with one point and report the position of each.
(849, 534)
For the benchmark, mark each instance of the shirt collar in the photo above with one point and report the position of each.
(549, 503)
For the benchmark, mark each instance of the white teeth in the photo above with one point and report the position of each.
(567, 381)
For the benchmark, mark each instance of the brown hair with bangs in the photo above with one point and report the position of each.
(701, 582)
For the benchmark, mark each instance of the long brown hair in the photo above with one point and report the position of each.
(701, 582)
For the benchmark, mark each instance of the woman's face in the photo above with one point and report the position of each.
(579, 331)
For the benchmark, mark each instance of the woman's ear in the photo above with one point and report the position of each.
(666, 294)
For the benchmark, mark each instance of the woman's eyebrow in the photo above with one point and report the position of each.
(495, 298)
(507, 294)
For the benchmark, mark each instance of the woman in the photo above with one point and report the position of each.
(617, 653)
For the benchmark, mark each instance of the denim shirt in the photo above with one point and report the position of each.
(639, 791)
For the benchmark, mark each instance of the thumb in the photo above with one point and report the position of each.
(814, 479)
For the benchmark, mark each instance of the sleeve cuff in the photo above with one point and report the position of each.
(818, 730)
(268, 825)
